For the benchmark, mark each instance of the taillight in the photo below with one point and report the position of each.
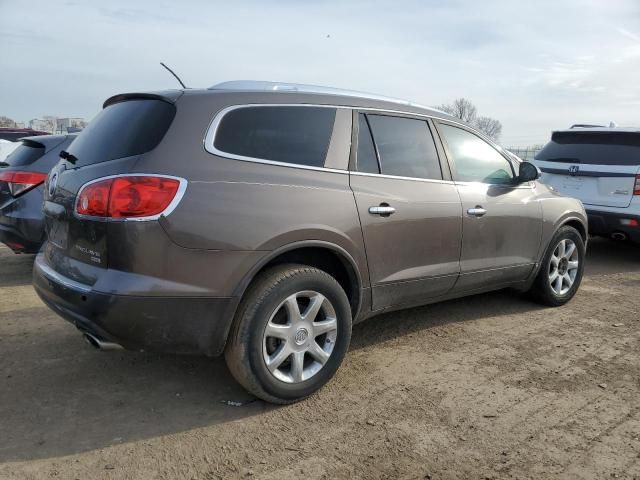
(93, 199)
(636, 187)
(129, 196)
(21, 182)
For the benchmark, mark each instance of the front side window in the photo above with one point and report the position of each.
(288, 134)
(405, 146)
(474, 159)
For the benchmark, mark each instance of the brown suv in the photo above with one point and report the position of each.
(263, 220)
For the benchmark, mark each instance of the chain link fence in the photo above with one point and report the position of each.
(526, 153)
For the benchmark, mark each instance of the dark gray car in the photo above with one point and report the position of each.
(263, 220)
(22, 175)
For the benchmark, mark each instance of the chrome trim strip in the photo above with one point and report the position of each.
(165, 213)
(528, 185)
(397, 177)
(51, 274)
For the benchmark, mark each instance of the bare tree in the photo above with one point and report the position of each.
(461, 108)
(491, 127)
(7, 122)
(467, 112)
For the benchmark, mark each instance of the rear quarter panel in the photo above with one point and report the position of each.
(243, 206)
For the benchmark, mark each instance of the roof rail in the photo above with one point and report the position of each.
(586, 125)
(266, 86)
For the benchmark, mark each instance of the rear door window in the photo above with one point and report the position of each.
(475, 160)
(289, 134)
(593, 148)
(405, 146)
(124, 129)
(25, 154)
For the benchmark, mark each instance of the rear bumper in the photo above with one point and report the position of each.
(608, 223)
(186, 325)
(22, 222)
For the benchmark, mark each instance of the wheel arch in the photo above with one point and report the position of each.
(576, 223)
(326, 256)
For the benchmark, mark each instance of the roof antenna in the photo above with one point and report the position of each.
(174, 74)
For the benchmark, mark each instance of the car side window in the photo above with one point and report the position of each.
(474, 159)
(288, 134)
(405, 146)
(366, 159)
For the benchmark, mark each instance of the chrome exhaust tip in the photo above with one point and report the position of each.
(95, 342)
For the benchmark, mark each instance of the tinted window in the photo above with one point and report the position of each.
(297, 135)
(405, 147)
(366, 160)
(592, 148)
(474, 159)
(24, 155)
(123, 129)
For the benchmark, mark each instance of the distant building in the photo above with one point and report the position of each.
(70, 125)
(58, 125)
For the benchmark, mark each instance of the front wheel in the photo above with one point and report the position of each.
(291, 333)
(562, 267)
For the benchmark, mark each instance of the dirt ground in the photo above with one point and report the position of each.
(492, 386)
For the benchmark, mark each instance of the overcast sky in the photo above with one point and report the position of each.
(535, 66)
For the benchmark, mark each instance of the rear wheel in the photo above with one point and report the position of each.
(562, 267)
(291, 333)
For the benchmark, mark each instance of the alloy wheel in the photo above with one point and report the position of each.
(300, 336)
(563, 266)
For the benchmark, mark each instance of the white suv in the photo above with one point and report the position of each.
(601, 167)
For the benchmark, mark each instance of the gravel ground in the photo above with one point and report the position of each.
(491, 386)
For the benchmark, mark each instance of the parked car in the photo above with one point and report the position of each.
(22, 176)
(6, 147)
(601, 167)
(263, 220)
(15, 134)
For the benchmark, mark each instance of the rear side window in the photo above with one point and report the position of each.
(592, 148)
(291, 134)
(405, 146)
(124, 129)
(25, 154)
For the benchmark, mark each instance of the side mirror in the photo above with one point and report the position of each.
(528, 172)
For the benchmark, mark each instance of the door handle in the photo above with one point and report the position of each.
(383, 210)
(478, 211)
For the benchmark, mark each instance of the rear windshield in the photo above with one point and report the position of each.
(592, 148)
(286, 134)
(24, 155)
(123, 129)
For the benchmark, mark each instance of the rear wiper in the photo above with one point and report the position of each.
(69, 157)
(4, 164)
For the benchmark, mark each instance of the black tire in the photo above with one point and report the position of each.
(244, 350)
(541, 290)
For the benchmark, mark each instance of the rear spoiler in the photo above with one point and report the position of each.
(597, 137)
(44, 141)
(169, 96)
